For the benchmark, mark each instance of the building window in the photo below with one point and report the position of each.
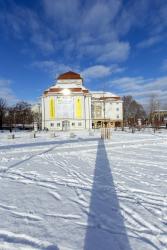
(52, 124)
(117, 109)
(58, 125)
(117, 116)
(73, 124)
(79, 123)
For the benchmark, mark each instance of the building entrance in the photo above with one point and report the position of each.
(65, 125)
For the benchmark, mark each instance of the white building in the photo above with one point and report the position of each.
(68, 105)
(107, 109)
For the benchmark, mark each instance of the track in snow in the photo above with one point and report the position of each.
(62, 195)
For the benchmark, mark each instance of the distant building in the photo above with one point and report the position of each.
(68, 105)
(106, 109)
(159, 117)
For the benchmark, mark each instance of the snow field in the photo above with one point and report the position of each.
(83, 193)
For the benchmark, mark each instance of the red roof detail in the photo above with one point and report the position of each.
(69, 75)
(108, 97)
(58, 90)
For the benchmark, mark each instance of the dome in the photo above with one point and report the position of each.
(69, 75)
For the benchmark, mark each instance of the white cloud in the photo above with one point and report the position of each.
(98, 71)
(51, 67)
(45, 44)
(129, 83)
(82, 29)
(164, 65)
(90, 16)
(90, 27)
(98, 17)
(141, 88)
(150, 41)
(115, 51)
(107, 52)
(23, 22)
(133, 14)
(6, 91)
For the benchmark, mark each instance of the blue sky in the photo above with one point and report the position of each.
(116, 45)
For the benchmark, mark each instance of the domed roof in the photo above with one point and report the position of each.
(69, 75)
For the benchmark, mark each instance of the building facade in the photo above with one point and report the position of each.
(107, 109)
(159, 117)
(68, 105)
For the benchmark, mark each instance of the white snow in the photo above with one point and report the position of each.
(83, 193)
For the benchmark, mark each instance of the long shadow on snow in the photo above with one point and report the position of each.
(106, 229)
(34, 144)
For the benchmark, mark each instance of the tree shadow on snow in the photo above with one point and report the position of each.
(106, 229)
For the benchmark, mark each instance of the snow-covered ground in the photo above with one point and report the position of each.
(83, 193)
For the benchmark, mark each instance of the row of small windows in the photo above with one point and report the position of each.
(99, 108)
(117, 103)
(73, 124)
(79, 124)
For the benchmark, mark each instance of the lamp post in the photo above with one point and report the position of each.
(158, 111)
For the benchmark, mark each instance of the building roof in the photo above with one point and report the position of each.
(161, 110)
(98, 94)
(69, 75)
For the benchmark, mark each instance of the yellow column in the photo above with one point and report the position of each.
(52, 108)
(78, 107)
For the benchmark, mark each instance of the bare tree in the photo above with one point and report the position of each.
(154, 105)
(132, 110)
(164, 106)
(10, 117)
(3, 108)
(37, 116)
(23, 113)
